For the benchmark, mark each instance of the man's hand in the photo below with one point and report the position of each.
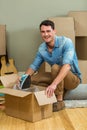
(50, 90)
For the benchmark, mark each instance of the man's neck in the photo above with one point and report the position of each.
(50, 46)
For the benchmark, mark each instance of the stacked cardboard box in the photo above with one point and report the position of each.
(80, 20)
(82, 65)
(2, 40)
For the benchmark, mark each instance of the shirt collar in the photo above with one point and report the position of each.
(55, 44)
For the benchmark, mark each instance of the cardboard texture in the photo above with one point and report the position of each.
(64, 27)
(45, 67)
(81, 47)
(31, 105)
(2, 40)
(80, 19)
(82, 65)
(9, 80)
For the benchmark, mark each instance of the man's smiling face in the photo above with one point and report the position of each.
(47, 33)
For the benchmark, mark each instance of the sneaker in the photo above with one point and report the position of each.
(25, 81)
(58, 106)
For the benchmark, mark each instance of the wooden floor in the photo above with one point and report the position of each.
(67, 119)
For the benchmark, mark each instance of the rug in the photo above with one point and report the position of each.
(75, 103)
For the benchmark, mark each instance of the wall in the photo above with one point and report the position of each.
(22, 19)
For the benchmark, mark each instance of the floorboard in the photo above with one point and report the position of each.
(67, 119)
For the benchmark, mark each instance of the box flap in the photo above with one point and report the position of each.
(43, 99)
(14, 92)
(9, 80)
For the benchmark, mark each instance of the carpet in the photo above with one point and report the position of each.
(75, 103)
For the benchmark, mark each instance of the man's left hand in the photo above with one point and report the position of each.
(50, 90)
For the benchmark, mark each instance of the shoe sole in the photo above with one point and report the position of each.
(58, 106)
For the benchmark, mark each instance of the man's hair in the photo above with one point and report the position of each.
(47, 23)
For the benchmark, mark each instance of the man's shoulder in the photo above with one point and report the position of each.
(63, 41)
(62, 38)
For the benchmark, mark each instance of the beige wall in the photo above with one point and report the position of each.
(22, 18)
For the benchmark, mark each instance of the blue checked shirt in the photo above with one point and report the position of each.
(62, 53)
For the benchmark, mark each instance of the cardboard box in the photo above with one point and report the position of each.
(30, 106)
(80, 19)
(64, 27)
(2, 39)
(45, 67)
(83, 68)
(81, 47)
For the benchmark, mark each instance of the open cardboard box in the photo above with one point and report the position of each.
(27, 105)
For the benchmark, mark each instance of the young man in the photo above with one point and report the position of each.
(59, 52)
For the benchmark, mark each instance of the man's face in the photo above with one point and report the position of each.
(47, 33)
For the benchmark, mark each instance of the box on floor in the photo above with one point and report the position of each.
(27, 105)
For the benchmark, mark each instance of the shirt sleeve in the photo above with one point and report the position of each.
(37, 62)
(68, 52)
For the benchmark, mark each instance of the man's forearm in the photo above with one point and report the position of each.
(30, 71)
